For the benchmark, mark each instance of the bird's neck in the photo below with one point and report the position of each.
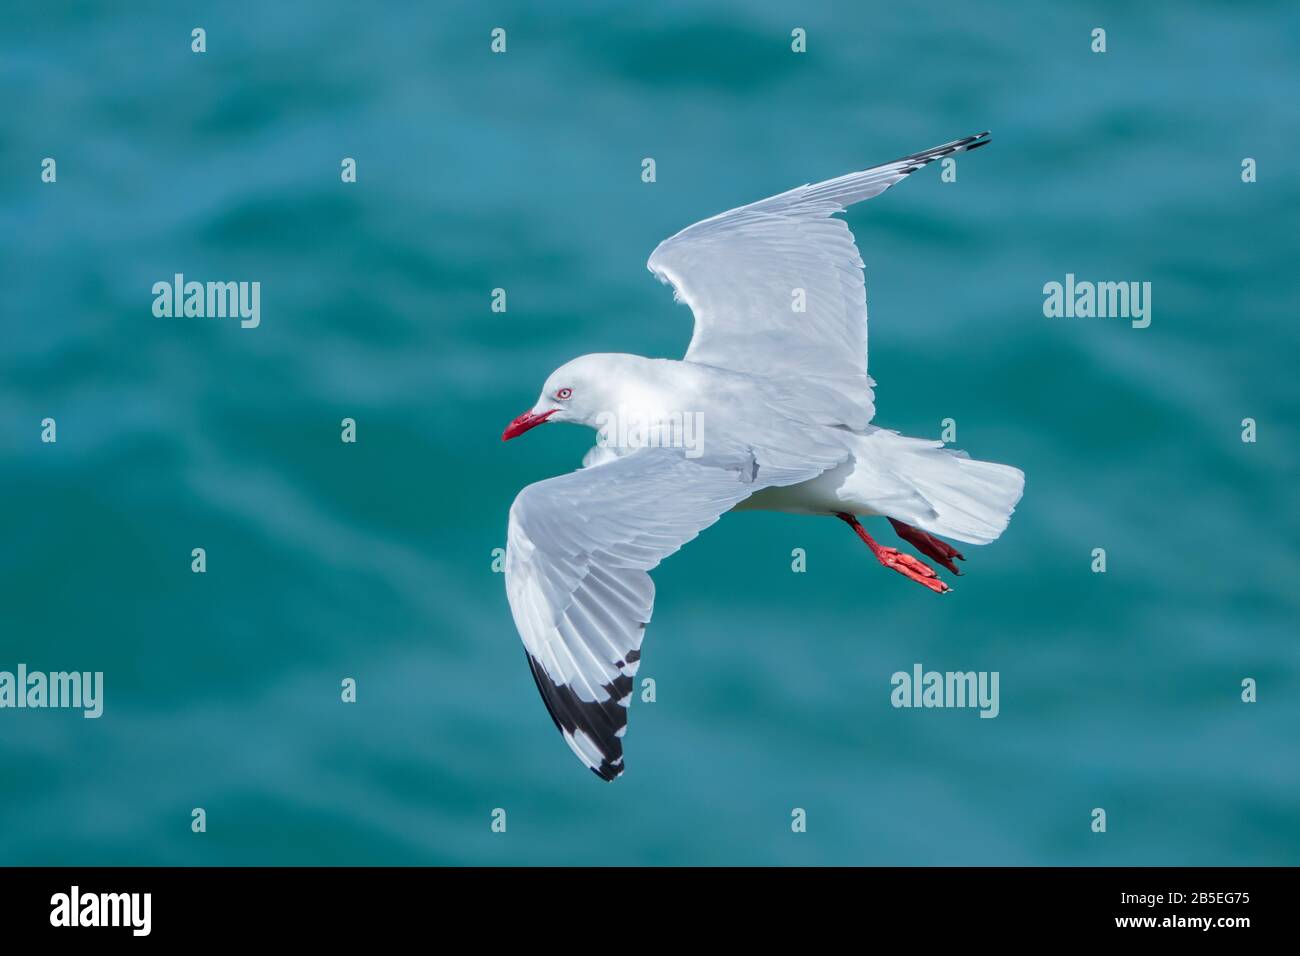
(646, 391)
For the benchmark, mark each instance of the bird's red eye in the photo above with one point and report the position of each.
(563, 394)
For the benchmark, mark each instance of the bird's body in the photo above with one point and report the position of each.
(771, 408)
(878, 472)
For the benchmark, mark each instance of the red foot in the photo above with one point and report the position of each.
(929, 545)
(904, 564)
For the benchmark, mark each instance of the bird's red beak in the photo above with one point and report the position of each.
(524, 422)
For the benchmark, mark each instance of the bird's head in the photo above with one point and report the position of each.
(578, 391)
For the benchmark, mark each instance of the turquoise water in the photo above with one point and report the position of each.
(373, 560)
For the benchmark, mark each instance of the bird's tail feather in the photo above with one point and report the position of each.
(967, 499)
(973, 500)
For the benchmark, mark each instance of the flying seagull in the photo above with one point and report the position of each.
(771, 409)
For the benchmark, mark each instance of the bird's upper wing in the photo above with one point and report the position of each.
(578, 554)
(743, 272)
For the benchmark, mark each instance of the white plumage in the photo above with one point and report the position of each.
(782, 405)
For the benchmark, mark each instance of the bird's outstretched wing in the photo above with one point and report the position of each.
(578, 555)
(747, 273)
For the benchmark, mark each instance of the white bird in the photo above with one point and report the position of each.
(770, 408)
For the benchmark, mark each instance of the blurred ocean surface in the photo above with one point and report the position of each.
(1118, 690)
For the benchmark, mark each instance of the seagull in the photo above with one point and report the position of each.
(770, 408)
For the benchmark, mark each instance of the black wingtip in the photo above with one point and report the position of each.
(963, 145)
(917, 160)
(599, 721)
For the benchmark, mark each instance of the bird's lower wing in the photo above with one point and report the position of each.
(578, 555)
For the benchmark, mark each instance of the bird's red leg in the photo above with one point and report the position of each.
(929, 545)
(904, 564)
